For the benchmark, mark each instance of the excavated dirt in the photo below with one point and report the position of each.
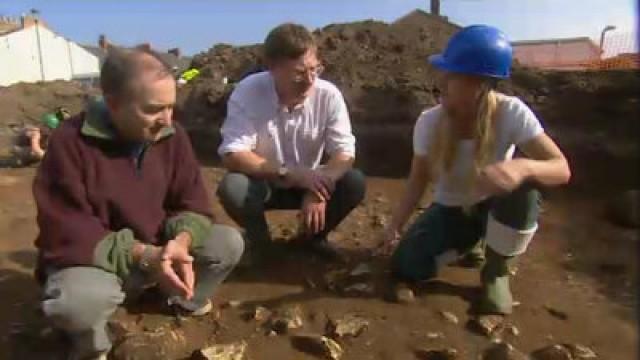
(576, 285)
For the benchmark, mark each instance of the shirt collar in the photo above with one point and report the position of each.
(97, 122)
(276, 101)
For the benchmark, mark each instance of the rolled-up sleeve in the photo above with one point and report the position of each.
(238, 131)
(339, 136)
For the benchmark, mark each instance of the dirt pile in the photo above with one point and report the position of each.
(25, 103)
(379, 67)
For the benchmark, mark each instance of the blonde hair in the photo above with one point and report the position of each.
(444, 142)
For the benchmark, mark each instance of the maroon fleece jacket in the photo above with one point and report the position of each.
(90, 187)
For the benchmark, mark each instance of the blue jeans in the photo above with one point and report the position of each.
(246, 199)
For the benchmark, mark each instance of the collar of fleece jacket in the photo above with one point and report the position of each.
(97, 123)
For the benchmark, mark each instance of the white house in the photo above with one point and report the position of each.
(30, 52)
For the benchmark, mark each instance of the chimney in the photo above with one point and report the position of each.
(435, 7)
(175, 51)
(26, 21)
(145, 46)
(103, 43)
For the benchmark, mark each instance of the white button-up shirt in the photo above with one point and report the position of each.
(256, 121)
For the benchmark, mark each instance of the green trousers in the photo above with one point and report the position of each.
(440, 229)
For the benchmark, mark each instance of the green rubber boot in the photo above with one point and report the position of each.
(496, 294)
(474, 258)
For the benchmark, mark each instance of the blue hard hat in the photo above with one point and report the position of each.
(477, 50)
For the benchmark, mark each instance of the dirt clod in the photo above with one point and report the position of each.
(318, 345)
(449, 317)
(287, 319)
(503, 351)
(403, 294)
(349, 325)
(261, 314)
(564, 352)
(440, 354)
(553, 352)
(234, 351)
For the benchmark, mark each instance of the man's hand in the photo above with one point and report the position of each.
(502, 178)
(317, 183)
(174, 267)
(313, 214)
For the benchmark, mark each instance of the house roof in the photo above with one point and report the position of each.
(582, 39)
(182, 63)
(96, 51)
(7, 27)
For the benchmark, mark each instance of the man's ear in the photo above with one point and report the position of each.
(270, 64)
(112, 102)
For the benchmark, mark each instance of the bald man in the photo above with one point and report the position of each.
(122, 206)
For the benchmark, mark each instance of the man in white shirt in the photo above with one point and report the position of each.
(281, 124)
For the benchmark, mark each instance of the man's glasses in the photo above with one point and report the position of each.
(301, 76)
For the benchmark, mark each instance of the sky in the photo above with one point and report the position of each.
(195, 25)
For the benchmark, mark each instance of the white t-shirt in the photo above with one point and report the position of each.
(257, 122)
(515, 124)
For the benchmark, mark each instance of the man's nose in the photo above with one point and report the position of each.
(165, 117)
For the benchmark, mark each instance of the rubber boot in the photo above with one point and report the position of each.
(496, 294)
(475, 257)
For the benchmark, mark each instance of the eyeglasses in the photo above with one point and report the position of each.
(301, 75)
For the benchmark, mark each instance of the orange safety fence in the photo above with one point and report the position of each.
(620, 51)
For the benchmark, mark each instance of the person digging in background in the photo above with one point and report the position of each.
(121, 205)
(280, 123)
(31, 143)
(465, 146)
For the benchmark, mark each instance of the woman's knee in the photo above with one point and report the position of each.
(518, 209)
(412, 264)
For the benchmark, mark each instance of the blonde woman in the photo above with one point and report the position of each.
(465, 147)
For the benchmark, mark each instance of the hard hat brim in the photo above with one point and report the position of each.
(440, 63)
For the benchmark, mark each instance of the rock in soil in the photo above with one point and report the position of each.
(318, 345)
(442, 354)
(261, 314)
(234, 304)
(362, 270)
(287, 319)
(234, 351)
(564, 352)
(403, 294)
(488, 325)
(379, 221)
(449, 316)
(160, 344)
(349, 325)
(556, 313)
(435, 335)
(553, 352)
(503, 351)
(359, 289)
(335, 279)
(581, 352)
